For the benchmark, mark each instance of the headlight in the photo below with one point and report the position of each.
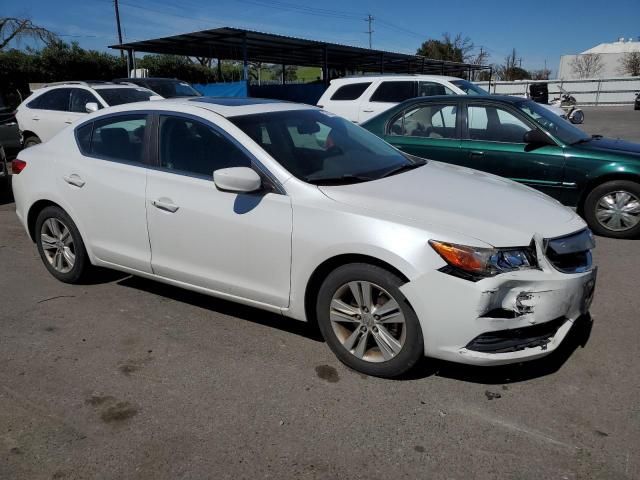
(478, 262)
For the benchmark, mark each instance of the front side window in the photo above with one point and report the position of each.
(394, 91)
(80, 98)
(56, 99)
(322, 148)
(429, 89)
(553, 123)
(495, 124)
(427, 121)
(192, 147)
(119, 138)
(119, 96)
(351, 91)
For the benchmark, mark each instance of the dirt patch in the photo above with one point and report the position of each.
(328, 373)
(119, 412)
(96, 400)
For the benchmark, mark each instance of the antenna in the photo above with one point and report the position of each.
(369, 19)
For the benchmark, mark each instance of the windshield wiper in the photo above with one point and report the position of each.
(337, 179)
(403, 168)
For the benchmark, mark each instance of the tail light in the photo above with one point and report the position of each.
(17, 166)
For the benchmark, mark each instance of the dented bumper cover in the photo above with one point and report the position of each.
(454, 311)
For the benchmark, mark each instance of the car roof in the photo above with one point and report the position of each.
(489, 98)
(393, 76)
(142, 79)
(224, 106)
(94, 84)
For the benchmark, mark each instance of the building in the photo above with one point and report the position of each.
(610, 54)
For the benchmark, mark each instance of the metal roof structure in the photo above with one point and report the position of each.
(229, 43)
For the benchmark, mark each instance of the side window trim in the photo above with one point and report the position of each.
(154, 150)
(145, 163)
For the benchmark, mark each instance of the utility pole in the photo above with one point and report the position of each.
(129, 59)
(369, 19)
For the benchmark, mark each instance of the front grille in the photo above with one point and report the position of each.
(571, 253)
(503, 341)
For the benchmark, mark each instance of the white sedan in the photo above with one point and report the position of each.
(294, 210)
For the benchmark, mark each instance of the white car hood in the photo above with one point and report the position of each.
(494, 210)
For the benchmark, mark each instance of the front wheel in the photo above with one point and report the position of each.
(60, 245)
(613, 209)
(367, 322)
(576, 117)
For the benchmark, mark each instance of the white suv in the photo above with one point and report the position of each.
(52, 107)
(362, 98)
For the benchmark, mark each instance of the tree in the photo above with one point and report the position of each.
(587, 65)
(12, 28)
(630, 64)
(453, 49)
(542, 74)
(510, 70)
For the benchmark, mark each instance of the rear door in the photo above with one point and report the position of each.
(48, 113)
(493, 142)
(385, 95)
(105, 184)
(428, 130)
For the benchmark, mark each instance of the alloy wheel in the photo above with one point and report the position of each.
(57, 244)
(367, 321)
(618, 211)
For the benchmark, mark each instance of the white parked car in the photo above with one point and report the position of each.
(55, 106)
(363, 97)
(298, 211)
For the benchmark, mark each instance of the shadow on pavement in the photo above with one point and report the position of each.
(224, 307)
(578, 336)
(6, 195)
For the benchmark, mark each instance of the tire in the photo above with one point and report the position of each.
(615, 194)
(55, 253)
(577, 117)
(30, 141)
(357, 325)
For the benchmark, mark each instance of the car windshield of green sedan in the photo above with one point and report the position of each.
(556, 126)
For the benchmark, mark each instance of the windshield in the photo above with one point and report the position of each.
(118, 96)
(321, 148)
(469, 88)
(172, 88)
(554, 124)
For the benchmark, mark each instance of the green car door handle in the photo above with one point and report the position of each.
(476, 153)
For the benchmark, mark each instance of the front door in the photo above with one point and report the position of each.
(493, 142)
(236, 244)
(428, 131)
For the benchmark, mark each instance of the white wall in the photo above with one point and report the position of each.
(610, 62)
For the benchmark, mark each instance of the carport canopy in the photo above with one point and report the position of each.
(229, 43)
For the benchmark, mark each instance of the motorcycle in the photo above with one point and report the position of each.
(564, 105)
(636, 104)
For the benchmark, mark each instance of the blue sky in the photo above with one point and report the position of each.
(538, 33)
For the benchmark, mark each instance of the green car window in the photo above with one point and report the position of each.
(552, 123)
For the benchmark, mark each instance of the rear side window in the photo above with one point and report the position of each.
(351, 91)
(83, 135)
(57, 99)
(119, 138)
(394, 92)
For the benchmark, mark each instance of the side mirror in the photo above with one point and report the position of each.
(237, 179)
(91, 107)
(536, 137)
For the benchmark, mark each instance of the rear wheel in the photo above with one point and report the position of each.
(613, 209)
(367, 322)
(60, 245)
(31, 140)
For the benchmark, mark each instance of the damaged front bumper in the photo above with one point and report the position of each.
(509, 318)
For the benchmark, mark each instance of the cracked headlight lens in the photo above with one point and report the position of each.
(485, 262)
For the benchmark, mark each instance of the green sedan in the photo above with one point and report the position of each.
(522, 140)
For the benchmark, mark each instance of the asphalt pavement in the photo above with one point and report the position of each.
(124, 378)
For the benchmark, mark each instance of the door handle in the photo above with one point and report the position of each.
(166, 206)
(74, 180)
(476, 153)
(68, 122)
(368, 111)
(35, 118)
